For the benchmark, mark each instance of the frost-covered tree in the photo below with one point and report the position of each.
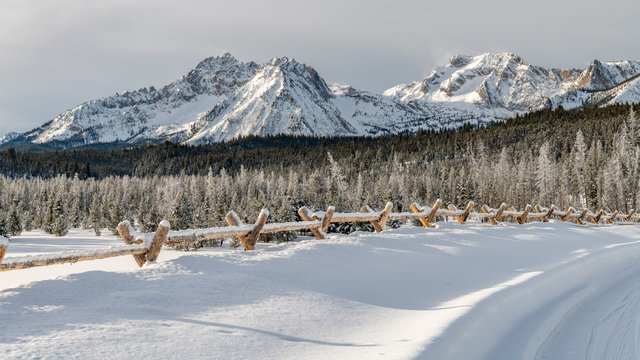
(4, 228)
(577, 179)
(13, 218)
(49, 216)
(60, 225)
(95, 214)
(181, 213)
(152, 219)
(545, 175)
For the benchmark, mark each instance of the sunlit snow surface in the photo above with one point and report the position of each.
(554, 291)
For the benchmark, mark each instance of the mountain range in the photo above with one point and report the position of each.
(224, 98)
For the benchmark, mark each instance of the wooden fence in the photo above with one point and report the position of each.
(146, 246)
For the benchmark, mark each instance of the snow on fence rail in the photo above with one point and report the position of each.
(146, 246)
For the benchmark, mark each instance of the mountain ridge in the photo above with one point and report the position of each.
(223, 98)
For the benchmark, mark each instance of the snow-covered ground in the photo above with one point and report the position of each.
(542, 290)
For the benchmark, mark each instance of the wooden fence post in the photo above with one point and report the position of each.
(501, 209)
(597, 218)
(327, 218)
(486, 210)
(385, 214)
(538, 208)
(158, 240)
(124, 229)
(125, 234)
(4, 243)
(631, 213)
(522, 219)
(550, 211)
(580, 219)
(252, 239)
(452, 207)
(234, 220)
(415, 207)
(434, 212)
(568, 215)
(462, 218)
(467, 211)
(612, 218)
(374, 223)
(306, 215)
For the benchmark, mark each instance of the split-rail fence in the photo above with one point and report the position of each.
(146, 246)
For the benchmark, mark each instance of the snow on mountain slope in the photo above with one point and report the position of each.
(284, 97)
(504, 85)
(8, 137)
(149, 112)
(454, 292)
(495, 80)
(374, 114)
(223, 98)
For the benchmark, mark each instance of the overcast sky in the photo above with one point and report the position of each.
(55, 54)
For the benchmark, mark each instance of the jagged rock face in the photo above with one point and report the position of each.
(492, 80)
(149, 112)
(8, 137)
(495, 84)
(600, 76)
(223, 98)
(283, 97)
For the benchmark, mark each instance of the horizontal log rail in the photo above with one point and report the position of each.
(142, 246)
(146, 247)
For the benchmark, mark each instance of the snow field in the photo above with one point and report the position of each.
(446, 293)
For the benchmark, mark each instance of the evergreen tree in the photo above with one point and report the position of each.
(15, 225)
(95, 214)
(545, 175)
(116, 216)
(577, 179)
(4, 227)
(50, 216)
(60, 225)
(181, 213)
(152, 219)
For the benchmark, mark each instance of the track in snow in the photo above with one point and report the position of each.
(603, 325)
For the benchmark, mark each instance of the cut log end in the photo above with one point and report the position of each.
(307, 215)
(125, 229)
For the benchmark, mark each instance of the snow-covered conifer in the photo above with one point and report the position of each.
(60, 225)
(545, 175)
(181, 212)
(13, 219)
(95, 214)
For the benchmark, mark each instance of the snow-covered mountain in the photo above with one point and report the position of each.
(504, 84)
(223, 98)
(8, 137)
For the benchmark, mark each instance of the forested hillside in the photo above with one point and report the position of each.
(585, 158)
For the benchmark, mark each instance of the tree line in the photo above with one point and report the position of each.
(586, 158)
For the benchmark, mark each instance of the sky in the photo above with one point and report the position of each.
(56, 54)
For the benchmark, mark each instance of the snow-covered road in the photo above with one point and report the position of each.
(547, 291)
(603, 324)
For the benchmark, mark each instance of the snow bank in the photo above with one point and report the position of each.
(4, 242)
